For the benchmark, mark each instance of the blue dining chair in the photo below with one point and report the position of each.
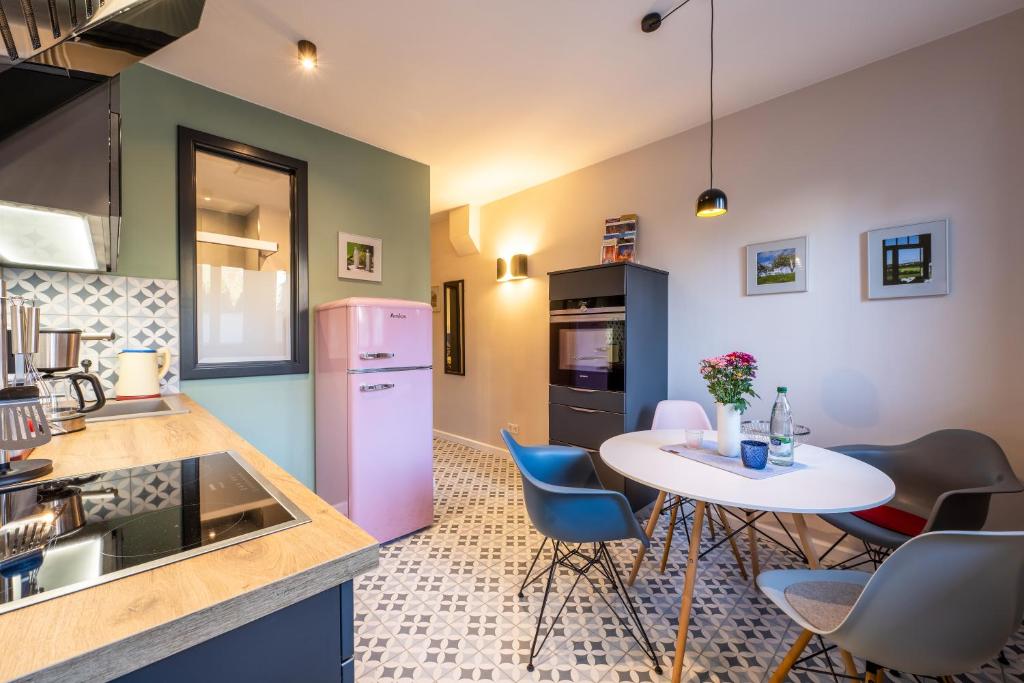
(568, 505)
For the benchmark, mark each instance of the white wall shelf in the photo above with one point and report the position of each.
(232, 241)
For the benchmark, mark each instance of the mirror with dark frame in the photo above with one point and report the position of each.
(242, 259)
(454, 327)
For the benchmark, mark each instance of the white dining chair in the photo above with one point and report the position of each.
(679, 414)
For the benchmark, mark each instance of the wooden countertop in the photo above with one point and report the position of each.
(111, 629)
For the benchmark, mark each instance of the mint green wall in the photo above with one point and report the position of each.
(353, 187)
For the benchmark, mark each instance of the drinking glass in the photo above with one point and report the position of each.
(694, 438)
(754, 454)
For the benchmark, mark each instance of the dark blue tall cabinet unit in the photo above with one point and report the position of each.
(608, 359)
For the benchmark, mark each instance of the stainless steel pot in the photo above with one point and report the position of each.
(59, 349)
(63, 500)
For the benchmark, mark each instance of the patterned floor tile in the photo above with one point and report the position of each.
(374, 643)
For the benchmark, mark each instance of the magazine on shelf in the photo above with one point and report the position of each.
(619, 243)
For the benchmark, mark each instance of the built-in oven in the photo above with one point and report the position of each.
(588, 343)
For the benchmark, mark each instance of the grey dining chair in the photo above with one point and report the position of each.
(942, 604)
(944, 481)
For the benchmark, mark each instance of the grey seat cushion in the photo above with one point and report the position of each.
(824, 604)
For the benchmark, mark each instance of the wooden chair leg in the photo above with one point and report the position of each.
(723, 517)
(755, 560)
(790, 659)
(668, 535)
(692, 558)
(651, 523)
(851, 666)
(711, 525)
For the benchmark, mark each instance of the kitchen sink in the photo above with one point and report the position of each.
(127, 410)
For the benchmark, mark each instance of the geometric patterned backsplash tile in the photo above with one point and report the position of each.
(142, 312)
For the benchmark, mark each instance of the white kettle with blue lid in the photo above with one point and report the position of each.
(139, 372)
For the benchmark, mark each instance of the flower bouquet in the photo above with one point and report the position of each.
(730, 381)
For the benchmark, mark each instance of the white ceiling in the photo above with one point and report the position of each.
(224, 184)
(499, 95)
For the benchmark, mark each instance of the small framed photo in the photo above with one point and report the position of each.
(777, 267)
(360, 257)
(909, 260)
(435, 298)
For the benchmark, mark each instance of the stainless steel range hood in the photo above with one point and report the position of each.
(60, 180)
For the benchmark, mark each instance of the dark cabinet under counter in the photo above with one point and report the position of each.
(312, 640)
(609, 358)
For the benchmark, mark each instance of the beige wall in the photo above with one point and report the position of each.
(935, 132)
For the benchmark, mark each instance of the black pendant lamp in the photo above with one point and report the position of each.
(712, 201)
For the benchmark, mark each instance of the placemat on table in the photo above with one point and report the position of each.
(709, 456)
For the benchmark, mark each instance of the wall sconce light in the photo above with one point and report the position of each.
(516, 270)
(307, 55)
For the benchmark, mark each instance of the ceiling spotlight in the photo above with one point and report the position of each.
(651, 22)
(307, 55)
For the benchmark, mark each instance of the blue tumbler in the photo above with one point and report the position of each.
(754, 454)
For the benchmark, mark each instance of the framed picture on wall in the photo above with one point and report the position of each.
(360, 257)
(435, 298)
(454, 320)
(909, 260)
(777, 267)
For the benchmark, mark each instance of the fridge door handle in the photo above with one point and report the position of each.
(376, 355)
(376, 387)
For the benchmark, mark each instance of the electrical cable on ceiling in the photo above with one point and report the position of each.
(711, 98)
(713, 201)
(671, 11)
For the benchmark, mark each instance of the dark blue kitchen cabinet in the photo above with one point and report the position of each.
(311, 641)
(608, 359)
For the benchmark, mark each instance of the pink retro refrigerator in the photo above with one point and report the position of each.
(374, 413)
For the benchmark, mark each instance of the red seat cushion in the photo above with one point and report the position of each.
(892, 519)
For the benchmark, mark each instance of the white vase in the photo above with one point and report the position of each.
(728, 429)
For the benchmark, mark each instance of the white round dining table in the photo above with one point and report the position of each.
(824, 482)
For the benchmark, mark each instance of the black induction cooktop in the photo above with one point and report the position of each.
(62, 535)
